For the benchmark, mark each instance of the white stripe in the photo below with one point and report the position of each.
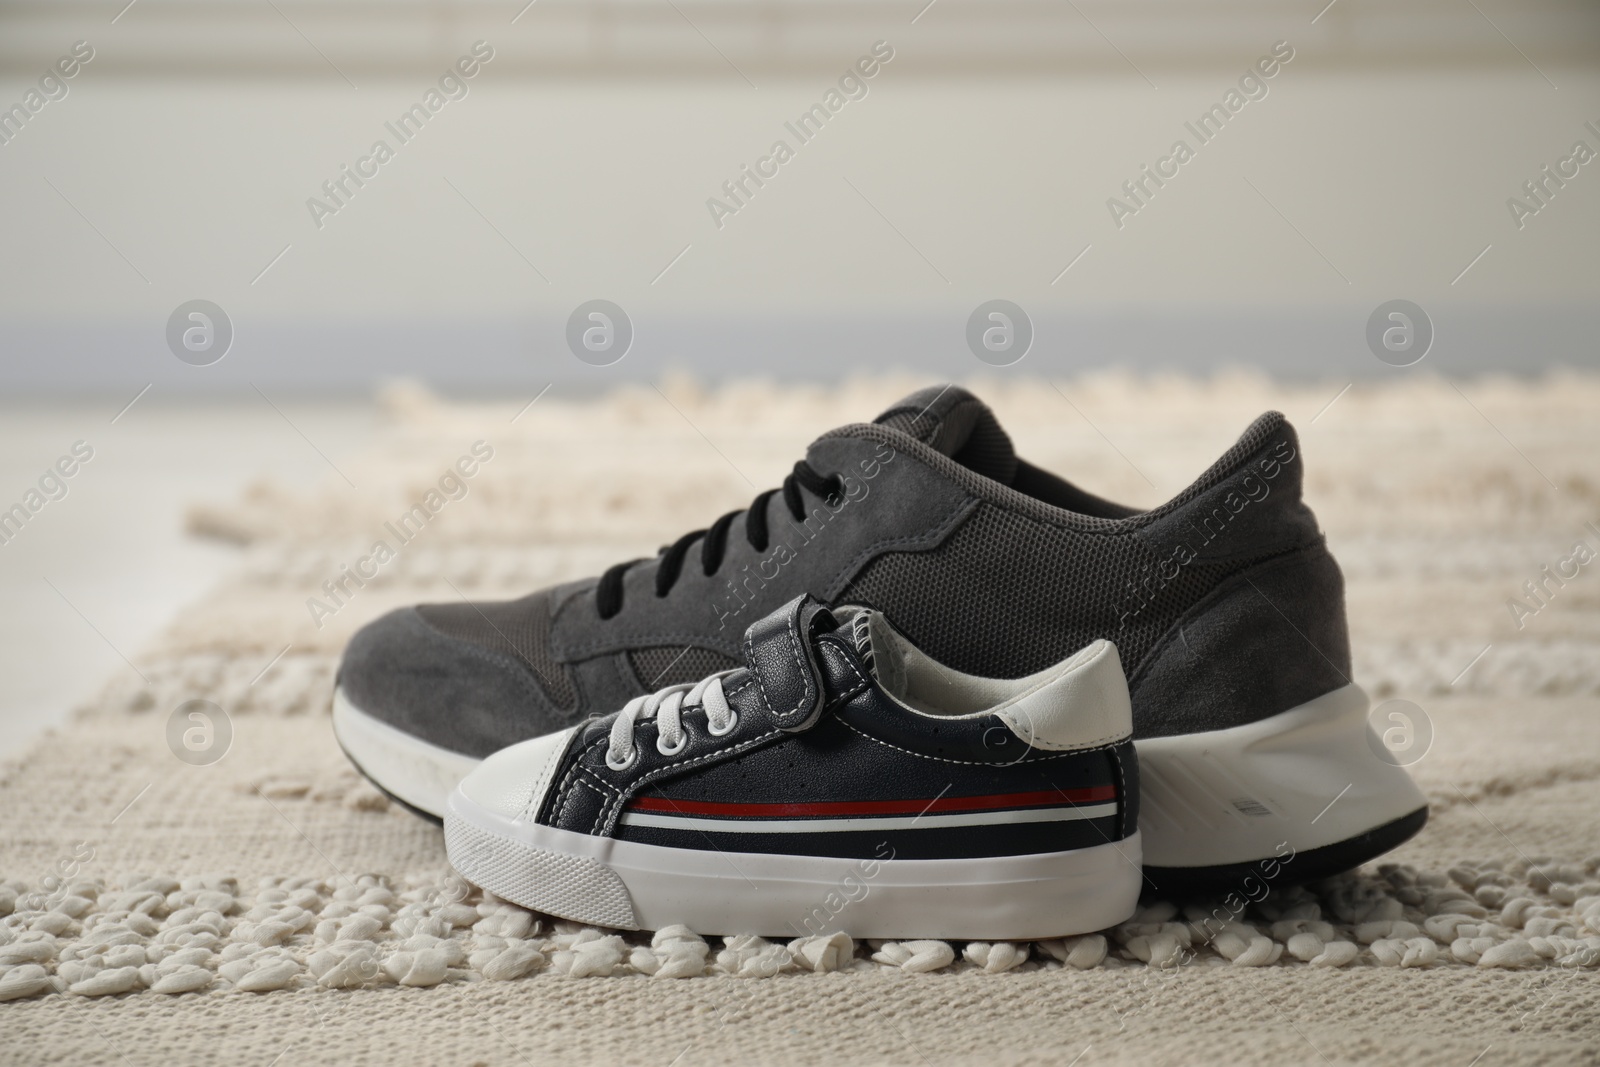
(867, 823)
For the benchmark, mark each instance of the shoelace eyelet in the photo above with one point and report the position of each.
(733, 721)
(683, 743)
(625, 764)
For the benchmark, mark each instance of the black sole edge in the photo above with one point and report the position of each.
(1188, 883)
(426, 816)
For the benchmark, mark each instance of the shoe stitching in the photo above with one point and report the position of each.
(808, 680)
(591, 785)
(568, 779)
(528, 810)
(973, 763)
(846, 696)
(609, 794)
(1093, 744)
(648, 778)
(930, 536)
(578, 774)
(558, 805)
(567, 798)
(845, 659)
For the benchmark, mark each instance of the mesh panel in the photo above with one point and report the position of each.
(519, 628)
(1006, 596)
(667, 665)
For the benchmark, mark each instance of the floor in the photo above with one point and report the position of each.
(96, 574)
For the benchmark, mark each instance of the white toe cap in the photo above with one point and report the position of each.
(512, 782)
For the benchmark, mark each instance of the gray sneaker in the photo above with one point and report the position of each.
(1224, 603)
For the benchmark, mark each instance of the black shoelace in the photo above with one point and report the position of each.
(714, 541)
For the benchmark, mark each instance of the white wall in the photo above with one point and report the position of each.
(978, 165)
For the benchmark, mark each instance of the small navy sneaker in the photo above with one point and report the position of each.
(840, 780)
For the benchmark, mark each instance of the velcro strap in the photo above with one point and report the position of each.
(778, 651)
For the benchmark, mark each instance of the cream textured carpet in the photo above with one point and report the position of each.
(269, 907)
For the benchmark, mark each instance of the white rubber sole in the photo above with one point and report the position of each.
(631, 886)
(417, 772)
(1308, 777)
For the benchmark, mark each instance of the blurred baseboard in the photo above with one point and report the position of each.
(298, 357)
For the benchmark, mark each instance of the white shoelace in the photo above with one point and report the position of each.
(666, 706)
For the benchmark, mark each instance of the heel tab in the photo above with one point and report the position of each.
(1271, 435)
(1248, 505)
(1086, 705)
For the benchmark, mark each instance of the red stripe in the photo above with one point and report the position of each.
(877, 807)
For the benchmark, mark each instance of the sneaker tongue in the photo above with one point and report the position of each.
(951, 420)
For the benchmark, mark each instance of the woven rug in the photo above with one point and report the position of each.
(198, 882)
